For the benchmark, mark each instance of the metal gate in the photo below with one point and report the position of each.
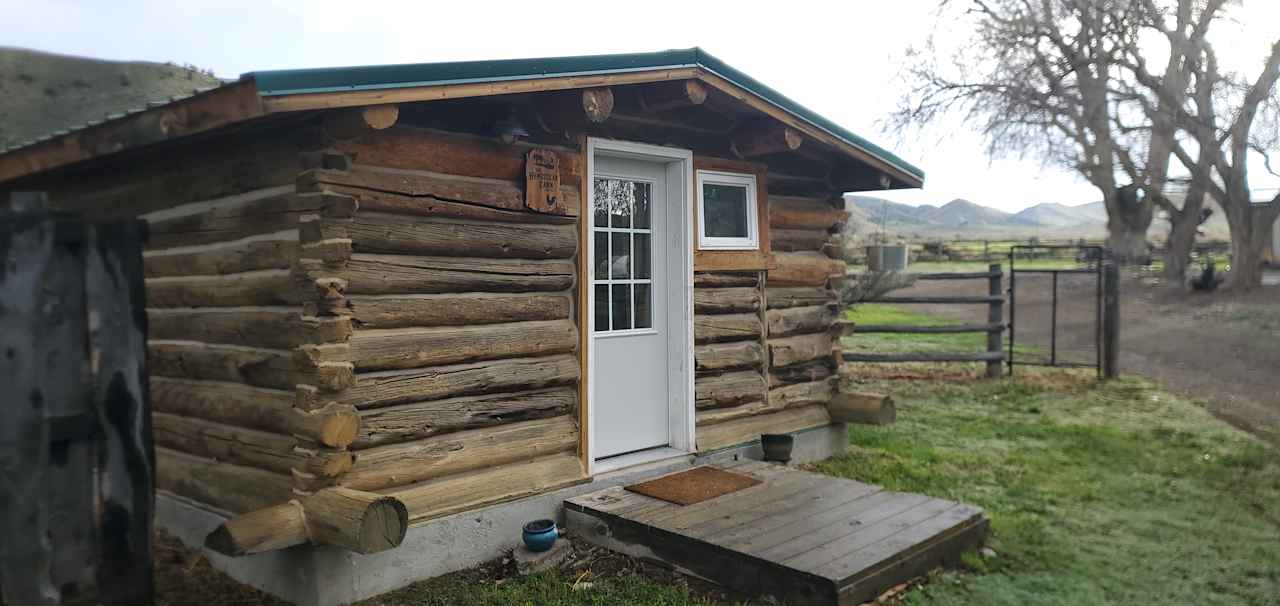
(1043, 297)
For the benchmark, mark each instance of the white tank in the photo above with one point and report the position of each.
(889, 257)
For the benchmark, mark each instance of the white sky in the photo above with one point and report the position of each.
(841, 59)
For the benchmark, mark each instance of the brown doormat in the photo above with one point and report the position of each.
(694, 486)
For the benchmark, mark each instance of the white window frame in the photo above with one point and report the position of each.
(745, 180)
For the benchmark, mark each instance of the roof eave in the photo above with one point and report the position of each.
(201, 112)
(288, 91)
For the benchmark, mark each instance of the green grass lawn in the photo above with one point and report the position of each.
(1115, 494)
(880, 313)
(965, 266)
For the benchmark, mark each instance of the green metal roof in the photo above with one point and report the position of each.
(327, 80)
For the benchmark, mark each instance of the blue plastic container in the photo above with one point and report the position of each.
(540, 535)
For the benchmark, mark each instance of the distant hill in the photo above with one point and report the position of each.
(1052, 215)
(43, 92)
(961, 213)
(961, 220)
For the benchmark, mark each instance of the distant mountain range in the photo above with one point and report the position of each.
(961, 213)
(962, 219)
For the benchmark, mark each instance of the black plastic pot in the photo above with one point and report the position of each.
(777, 446)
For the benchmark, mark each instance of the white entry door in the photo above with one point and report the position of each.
(630, 328)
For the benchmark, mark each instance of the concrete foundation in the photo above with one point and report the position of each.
(328, 576)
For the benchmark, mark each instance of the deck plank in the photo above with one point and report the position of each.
(766, 516)
(852, 565)
(834, 525)
(802, 530)
(802, 537)
(875, 527)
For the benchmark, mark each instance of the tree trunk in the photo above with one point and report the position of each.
(1128, 243)
(1251, 233)
(1127, 222)
(1183, 227)
(1246, 256)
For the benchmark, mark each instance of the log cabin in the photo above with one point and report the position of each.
(381, 297)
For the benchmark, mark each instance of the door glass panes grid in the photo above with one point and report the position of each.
(622, 268)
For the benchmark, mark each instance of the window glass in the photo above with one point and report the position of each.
(621, 305)
(725, 210)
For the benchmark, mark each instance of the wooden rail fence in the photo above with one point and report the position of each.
(994, 326)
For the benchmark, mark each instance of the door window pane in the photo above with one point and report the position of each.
(602, 307)
(621, 307)
(601, 194)
(642, 256)
(620, 202)
(724, 208)
(643, 306)
(641, 206)
(620, 259)
(601, 263)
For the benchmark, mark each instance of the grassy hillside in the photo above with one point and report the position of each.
(42, 92)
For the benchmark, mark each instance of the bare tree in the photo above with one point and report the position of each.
(1163, 102)
(1038, 77)
(1220, 114)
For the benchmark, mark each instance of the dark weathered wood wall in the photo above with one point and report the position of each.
(76, 460)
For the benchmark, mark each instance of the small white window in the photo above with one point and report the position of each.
(727, 211)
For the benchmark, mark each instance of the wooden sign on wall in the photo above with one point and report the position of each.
(542, 181)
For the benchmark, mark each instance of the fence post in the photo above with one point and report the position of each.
(995, 316)
(1111, 320)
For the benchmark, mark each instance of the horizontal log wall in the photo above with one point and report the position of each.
(764, 341)
(229, 340)
(460, 299)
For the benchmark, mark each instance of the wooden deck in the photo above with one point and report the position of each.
(802, 537)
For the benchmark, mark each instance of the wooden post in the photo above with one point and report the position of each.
(42, 369)
(995, 316)
(121, 407)
(1111, 320)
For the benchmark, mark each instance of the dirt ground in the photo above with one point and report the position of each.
(1220, 348)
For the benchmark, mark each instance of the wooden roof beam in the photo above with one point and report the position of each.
(766, 138)
(357, 121)
(572, 111)
(665, 96)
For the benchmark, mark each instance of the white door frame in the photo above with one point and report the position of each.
(679, 166)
